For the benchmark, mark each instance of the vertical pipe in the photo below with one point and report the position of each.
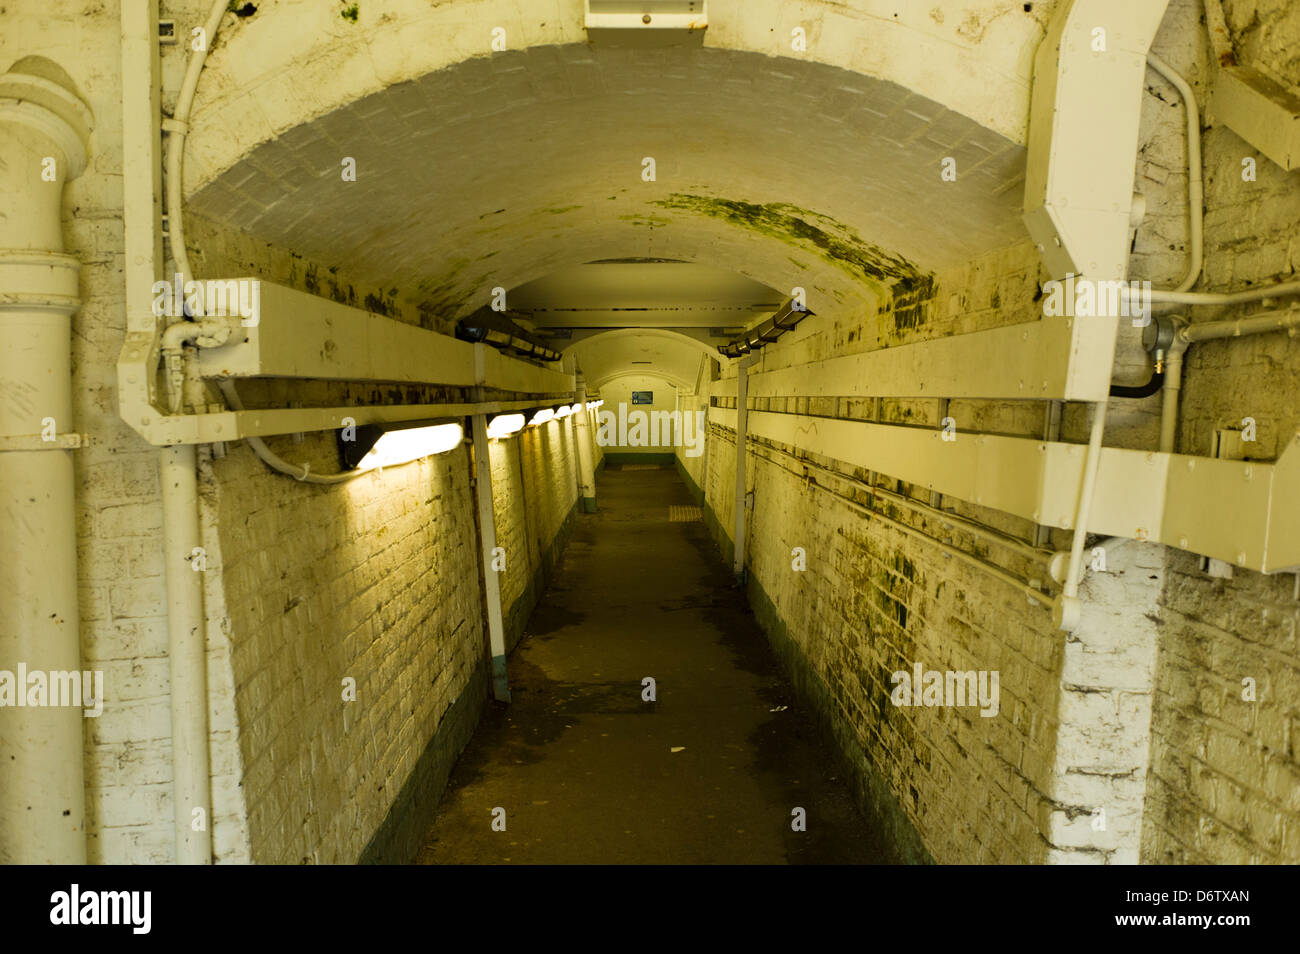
(42, 801)
(488, 533)
(1173, 387)
(43, 133)
(1051, 434)
(742, 430)
(1068, 609)
(187, 656)
(1195, 184)
(586, 469)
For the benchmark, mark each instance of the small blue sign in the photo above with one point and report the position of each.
(643, 397)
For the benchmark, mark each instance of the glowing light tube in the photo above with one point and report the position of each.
(411, 443)
(503, 425)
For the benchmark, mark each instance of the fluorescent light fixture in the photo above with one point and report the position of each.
(542, 416)
(387, 445)
(563, 411)
(503, 425)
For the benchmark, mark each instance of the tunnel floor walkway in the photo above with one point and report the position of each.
(588, 772)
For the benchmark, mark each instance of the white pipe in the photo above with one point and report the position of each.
(1195, 189)
(187, 656)
(42, 753)
(209, 332)
(300, 472)
(1187, 334)
(1196, 200)
(177, 128)
(1172, 388)
(186, 613)
(488, 535)
(1266, 321)
(1280, 290)
(1068, 609)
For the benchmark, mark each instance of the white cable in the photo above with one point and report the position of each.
(177, 128)
(1227, 298)
(1195, 202)
(1195, 189)
(300, 472)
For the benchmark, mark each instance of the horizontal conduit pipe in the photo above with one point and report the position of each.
(1039, 597)
(1025, 549)
(1282, 289)
(1187, 334)
(1196, 199)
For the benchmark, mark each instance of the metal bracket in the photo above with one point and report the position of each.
(35, 442)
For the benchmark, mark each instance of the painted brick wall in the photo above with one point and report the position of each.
(119, 512)
(1223, 777)
(534, 491)
(873, 600)
(1224, 785)
(375, 580)
(694, 468)
(658, 439)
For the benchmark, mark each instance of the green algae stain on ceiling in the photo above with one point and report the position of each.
(833, 241)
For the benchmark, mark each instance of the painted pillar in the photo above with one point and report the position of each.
(586, 469)
(488, 533)
(742, 429)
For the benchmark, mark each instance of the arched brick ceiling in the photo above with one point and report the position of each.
(612, 354)
(499, 170)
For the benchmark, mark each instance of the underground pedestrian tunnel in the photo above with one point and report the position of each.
(478, 434)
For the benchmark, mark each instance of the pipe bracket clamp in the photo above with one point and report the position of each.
(35, 442)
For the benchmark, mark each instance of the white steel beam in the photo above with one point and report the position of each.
(1260, 111)
(1242, 512)
(1083, 126)
(1052, 359)
(297, 335)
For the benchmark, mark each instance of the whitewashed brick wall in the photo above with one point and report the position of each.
(375, 580)
(1224, 784)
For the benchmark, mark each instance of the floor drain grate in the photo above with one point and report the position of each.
(684, 514)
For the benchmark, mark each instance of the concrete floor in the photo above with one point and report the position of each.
(587, 771)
